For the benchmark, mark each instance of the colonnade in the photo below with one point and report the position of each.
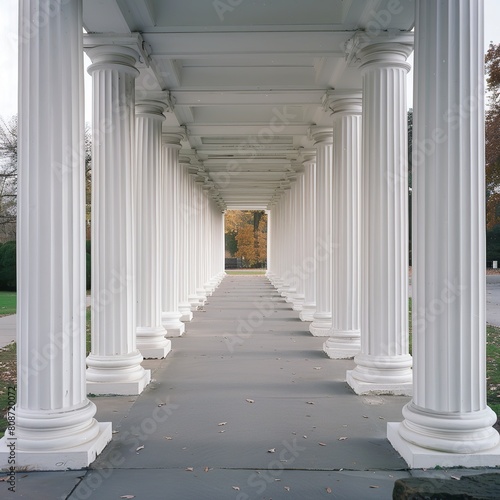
(338, 249)
(361, 214)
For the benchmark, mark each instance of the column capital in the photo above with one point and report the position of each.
(162, 96)
(173, 138)
(116, 57)
(383, 49)
(320, 134)
(343, 101)
(150, 108)
(132, 41)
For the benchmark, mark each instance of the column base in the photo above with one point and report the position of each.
(321, 327)
(298, 302)
(152, 343)
(194, 302)
(129, 388)
(120, 374)
(202, 296)
(187, 316)
(307, 313)
(396, 389)
(423, 458)
(185, 310)
(155, 352)
(290, 295)
(343, 345)
(77, 457)
(172, 323)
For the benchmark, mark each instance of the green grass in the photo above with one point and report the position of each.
(7, 379)
(493, 367)
(8, 301)
(246, 271)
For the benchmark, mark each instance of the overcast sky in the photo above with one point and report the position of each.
(8, 54)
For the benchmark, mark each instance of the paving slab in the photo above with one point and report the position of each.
(246, 399)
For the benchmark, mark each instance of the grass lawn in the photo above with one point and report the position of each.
(8, 302)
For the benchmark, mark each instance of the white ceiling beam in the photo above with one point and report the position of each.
(214, 45)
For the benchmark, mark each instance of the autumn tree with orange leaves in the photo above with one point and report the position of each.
(492, 137)
(246, 236)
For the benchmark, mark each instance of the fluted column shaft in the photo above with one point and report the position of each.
(184, 223)
(309, 239)
(322, 319)
(114, 361)
(151, 339)
(52, 413)
(384, 364)
(170, 248)
(345, 333)
(448, 412)
(299, 272)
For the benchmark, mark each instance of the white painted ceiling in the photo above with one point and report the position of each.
(245, 77)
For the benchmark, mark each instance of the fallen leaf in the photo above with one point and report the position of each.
(343, 438)
(249, 400)
(140, 448)
(287, 488)
(272, 450)
(374, 486)
(169, 438)
(328, 490)
(237, 488)
(189, 469)
(222, 423)
(322, 444)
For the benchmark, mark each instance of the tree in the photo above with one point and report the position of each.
(8, 177)
(246, 245)
(492, 137)
(246, 235)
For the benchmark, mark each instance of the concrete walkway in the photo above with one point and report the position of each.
(246, 406)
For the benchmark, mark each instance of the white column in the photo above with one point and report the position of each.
(151, 340)
(345, 334)
(171, 316)
(309, 239)
(384, 364)
(191, 215)
(322, 319)
(448, 422)
(54, 421)
(183, 260)
(299, 272)
(114, 363)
